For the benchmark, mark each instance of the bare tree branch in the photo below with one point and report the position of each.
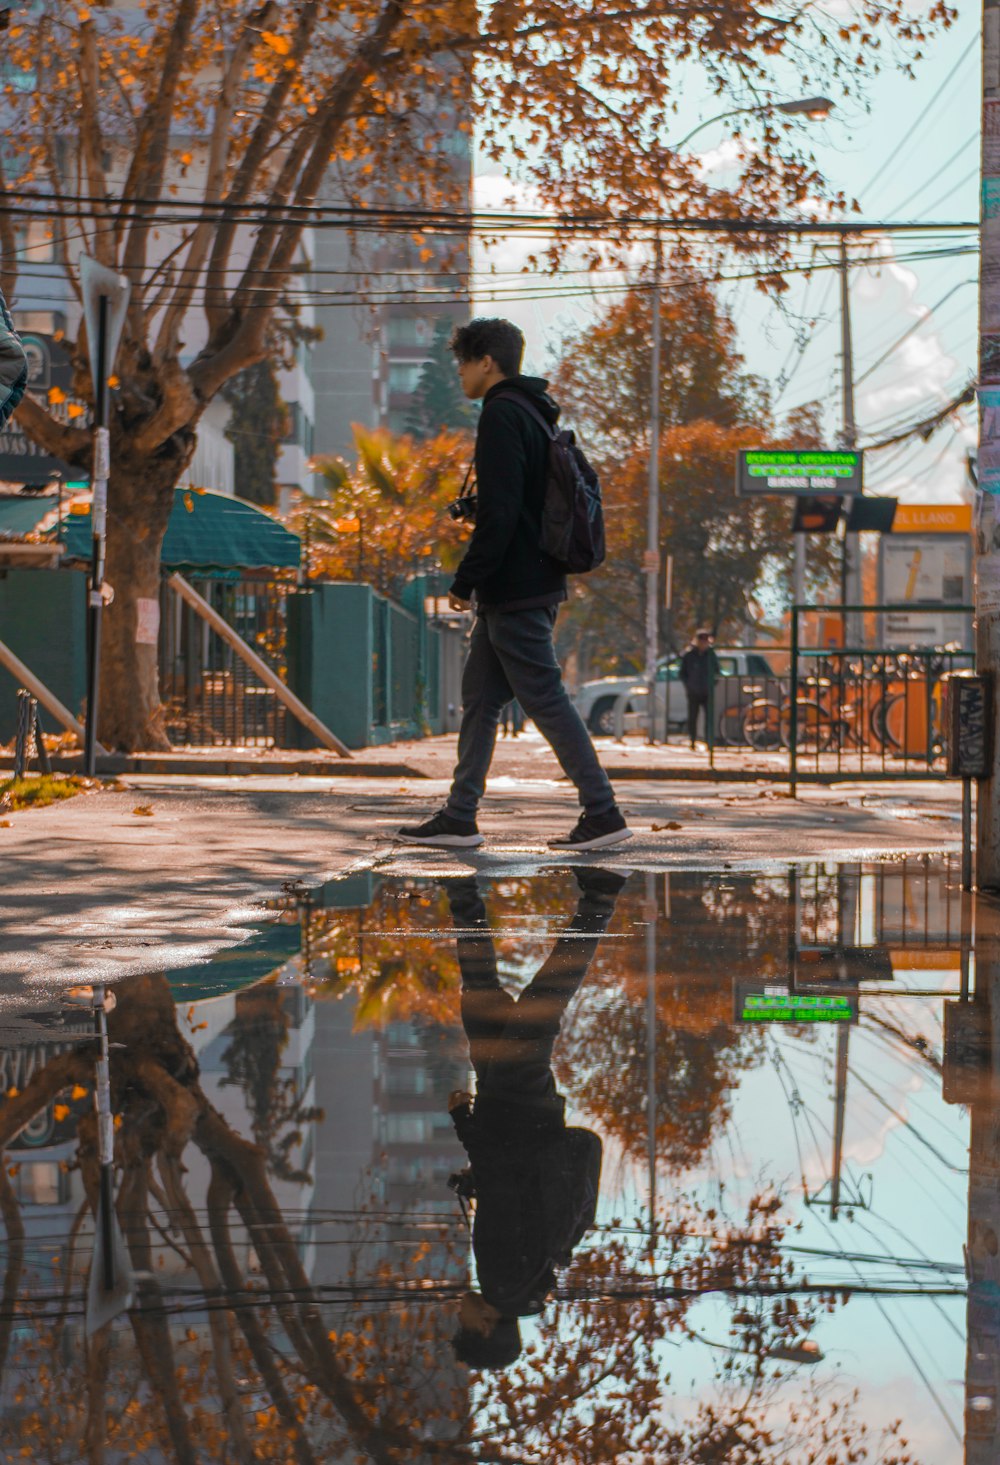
(145, 175)
(13, 1224)
(91, 141)
(74, 444)
(220, 1199)
(204, 1266)
(218, 149)
(216, 296)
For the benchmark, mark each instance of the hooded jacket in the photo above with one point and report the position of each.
(504, 563)
(13, 365)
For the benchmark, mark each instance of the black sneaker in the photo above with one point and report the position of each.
(594, 831)
(442, 832)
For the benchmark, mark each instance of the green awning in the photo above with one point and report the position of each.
(208, 533)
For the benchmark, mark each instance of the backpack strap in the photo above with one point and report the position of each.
(550, 430)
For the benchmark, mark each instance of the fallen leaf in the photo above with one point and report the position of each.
(671, 824)
(6, 823)
(60, 1112)
(146, 810)
(78, 1091)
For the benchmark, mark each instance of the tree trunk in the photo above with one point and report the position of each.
(140, 500)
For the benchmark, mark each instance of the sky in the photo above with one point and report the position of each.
(913, 155)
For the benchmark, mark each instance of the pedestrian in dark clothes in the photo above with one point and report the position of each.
(514, 1128)
(512, 719)
(699, 669)
(516, 589)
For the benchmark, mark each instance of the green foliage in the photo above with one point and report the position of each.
(259, 422)
(35, 793)
(439, 402)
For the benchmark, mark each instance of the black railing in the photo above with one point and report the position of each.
(210, 696)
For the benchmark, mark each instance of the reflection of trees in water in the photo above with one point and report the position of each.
(256, 1366)
(258, 1037)
(718, 930)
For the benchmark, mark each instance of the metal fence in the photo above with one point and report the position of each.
(210, 696)
(397, 694)
(846, 709)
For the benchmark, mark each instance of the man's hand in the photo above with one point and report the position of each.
(456, 604)
(457, 1098)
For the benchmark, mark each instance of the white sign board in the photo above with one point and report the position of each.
(925, 571)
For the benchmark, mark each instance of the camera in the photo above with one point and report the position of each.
(463, 1184)
(463, 509)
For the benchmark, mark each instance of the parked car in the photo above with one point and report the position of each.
(738, 671)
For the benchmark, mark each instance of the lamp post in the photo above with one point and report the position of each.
(815, 109)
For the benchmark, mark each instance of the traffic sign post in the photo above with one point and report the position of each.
(105, 303)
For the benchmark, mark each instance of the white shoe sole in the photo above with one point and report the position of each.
(443, 841)
(602, 841)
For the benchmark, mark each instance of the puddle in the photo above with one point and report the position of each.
(734, 1136)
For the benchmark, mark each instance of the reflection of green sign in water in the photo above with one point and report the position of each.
(813, 471)
(795, 1007)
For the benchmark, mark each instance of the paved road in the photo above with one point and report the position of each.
(91, 888)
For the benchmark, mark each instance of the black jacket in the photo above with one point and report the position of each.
(504, 563)
(699, 670)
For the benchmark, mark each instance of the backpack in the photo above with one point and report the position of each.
(530, 1216)
(573, 514)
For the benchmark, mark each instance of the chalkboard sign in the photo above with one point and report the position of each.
(968, 719)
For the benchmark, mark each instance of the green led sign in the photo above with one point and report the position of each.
(795, 1007)
(812, 472)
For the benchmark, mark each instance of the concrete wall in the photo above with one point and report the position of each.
(43, 621)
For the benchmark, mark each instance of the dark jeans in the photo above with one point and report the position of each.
(511, 1041)
(697, 702)
(511, 655)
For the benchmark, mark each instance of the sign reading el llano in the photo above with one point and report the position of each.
(813, 471)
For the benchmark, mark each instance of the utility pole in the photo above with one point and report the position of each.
(652, 559)
(849, 436)
(987, 501)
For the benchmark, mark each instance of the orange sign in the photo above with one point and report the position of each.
(933, 519)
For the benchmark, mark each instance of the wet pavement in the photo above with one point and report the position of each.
(496, 1161)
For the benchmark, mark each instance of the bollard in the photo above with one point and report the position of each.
(23, 734)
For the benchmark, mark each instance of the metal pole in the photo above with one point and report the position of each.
(105, 1141)
(849, 435)
(799, 569)
(793, 707)
(651, 1052)
(839, 1114)
(99, 517)
(653, 500)
(988, 617)
(966, 833)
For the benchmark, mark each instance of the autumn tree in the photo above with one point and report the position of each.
(723, 548)
(385, 517)
(187, 143)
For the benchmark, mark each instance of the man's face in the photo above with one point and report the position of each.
(703, 642)
(475, 376)
(477, 1315)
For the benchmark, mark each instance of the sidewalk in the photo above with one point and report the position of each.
(169, 869)
(434, 758)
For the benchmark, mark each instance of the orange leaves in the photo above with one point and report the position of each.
(60, 1112)
(281, 45)
(55, 396)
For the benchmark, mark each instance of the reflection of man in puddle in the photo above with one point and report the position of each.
(535, 1180)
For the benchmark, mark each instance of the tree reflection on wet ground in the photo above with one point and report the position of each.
(572, 1166)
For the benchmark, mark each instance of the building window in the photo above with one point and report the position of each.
(41, 1184)
(407, 1080)
(410, 330)
(404, 376)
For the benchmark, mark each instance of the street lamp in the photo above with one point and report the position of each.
(815, 109)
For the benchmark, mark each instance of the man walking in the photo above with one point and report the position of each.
(699, 669)
(517, 590)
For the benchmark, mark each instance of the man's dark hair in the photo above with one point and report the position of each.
(490, 336)
(499, 1350)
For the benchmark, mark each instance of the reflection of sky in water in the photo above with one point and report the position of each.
(365, 1025)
